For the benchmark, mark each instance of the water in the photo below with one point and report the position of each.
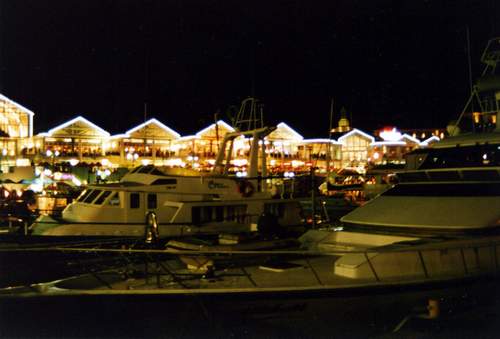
(470, 310)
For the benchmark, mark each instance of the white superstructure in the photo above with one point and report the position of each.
(183, 202)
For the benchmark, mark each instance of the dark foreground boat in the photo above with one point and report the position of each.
(93, 305)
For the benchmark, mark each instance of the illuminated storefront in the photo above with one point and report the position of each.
(16, 131)
(16, 121)
(355, 146)
(149, 142)
(77, 138)
(199, 151)
(282, 147)
(325, 154)
(392, 147)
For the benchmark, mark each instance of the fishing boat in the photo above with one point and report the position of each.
(180, 202)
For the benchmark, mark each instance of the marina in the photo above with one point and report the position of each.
(258, 216)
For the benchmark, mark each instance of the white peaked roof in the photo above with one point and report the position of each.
(283, 128)
(220, 123)
(74, 121)
(12, 102)
(356, 131)
(427, 141)
(410, 138)
(152, 121)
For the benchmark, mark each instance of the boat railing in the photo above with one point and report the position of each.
(414, 263)
(12, 224)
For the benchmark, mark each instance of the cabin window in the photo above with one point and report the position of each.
(275, 209)
(135, 201)
(219, 213)
(463, 156)
(152, 201)
(83, 195)
(203, 214)
(91, 197)
(156, 171)
(236, 213)
(195, 215)
(164, 182)
(114, 200)
(102, 197)
(145, 169)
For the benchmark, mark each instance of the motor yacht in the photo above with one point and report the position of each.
(444, 213)
(180, 202)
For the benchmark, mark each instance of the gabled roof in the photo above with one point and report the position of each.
(356, 131)
(429, 140)
(73, 126)
(283, 131)
(223, 128)
(12, 102)
(152, 123)
(409, 137)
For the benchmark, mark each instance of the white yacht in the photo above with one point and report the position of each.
(445, 212)
(183, 202)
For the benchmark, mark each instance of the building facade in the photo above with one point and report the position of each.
(152, 142)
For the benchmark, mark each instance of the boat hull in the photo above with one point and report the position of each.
(52, 227)
(354, 312)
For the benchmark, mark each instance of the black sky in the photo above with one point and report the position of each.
(397, 62)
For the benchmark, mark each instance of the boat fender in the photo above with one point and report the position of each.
(246, 188)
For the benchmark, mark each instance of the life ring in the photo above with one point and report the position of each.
(246, 188)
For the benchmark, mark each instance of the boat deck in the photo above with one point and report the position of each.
(297, 274)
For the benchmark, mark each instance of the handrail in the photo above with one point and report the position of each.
(159, 258)
(375, 250)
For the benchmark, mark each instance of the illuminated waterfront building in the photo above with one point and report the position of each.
(391, 147)
(149, 142)
(199, 150)
(16, 131)
(152, 142)
(77, 138)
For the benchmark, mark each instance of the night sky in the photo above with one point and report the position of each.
(399, 63)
